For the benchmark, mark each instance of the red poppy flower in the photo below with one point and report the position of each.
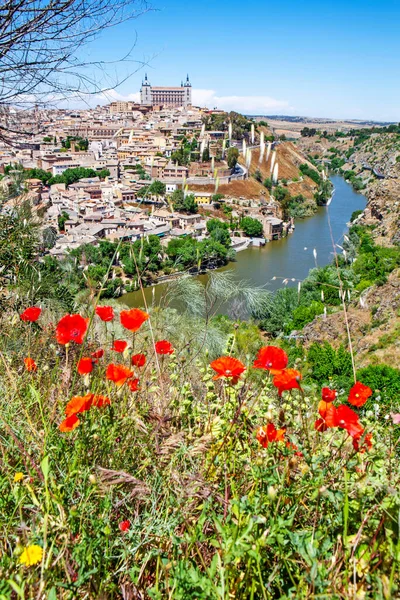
(138, 360)
(320, 425)
(71, 328)
(69, 424)
(328, 395)
(164, 347)
(124, 525)
(78, 404)
(268, 434)
(288, 379)
(133, 319)
(347, 419)
(30, 364)
(106, 313)
(359, 394)
(228, 367)
(31, 314)
(119, 345)
(295, 449)
(271, 358)
(328, 413)
(119, 374)
(366, 443)
(98, 354)
(85, 365)
(133, 385)
(100, 401)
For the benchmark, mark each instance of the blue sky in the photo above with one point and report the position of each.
(324, 59)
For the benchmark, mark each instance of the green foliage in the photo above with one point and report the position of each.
(374, 263)
(329, 365)
(217, 197)
(220, 122)
(157, 188)
(182, 203)
(385, 381)
(80, 143)
(181, 156)
(251, 227)
(171, 480)
(219, 231)
(355, 214)
(308, 132)
(268, 183)
(205, 157)
(275, 316)
(61, 220)
(305, 314)
(232, 157)
(44, 176)
(311, 173)
(49, 237)
(75, 174)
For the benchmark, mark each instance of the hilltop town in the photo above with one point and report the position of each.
(161, 167)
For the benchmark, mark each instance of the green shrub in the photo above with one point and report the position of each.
(328, 364)
(385, 381)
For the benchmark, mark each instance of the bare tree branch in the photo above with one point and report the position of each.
(41, 43)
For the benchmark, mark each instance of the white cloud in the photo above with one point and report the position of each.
(247, 104)
(113, 95)
(203, 98)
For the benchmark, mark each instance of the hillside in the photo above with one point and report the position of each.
(374, 323)
(289, 158)
(374, 315)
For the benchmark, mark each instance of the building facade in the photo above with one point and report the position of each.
(166, 96)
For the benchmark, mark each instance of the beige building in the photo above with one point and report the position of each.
(166, 96)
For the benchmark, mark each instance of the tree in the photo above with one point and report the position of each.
(157, 188)
(251, 227)
(219, 231)
(268, 183)
(181, 156)
(49, 237)
(205, 157)
(41, 50)
(307, 132)
(232, 157)
(62, 219)
(73, 175)
(184, 204)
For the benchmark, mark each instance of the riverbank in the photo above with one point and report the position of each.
(290, 258)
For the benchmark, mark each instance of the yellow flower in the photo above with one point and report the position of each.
(18, 476)
(31, 555)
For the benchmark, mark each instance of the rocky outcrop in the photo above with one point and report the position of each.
(383, 207)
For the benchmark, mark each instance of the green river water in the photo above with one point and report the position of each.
(290, 257)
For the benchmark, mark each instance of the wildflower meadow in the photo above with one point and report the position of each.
(134, 466)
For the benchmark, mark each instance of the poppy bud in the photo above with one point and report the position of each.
(272, 493)
(92, 479)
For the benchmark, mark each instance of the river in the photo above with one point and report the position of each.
(290, 257)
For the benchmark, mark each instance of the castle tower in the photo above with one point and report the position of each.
(188, 92)
(145, 92)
